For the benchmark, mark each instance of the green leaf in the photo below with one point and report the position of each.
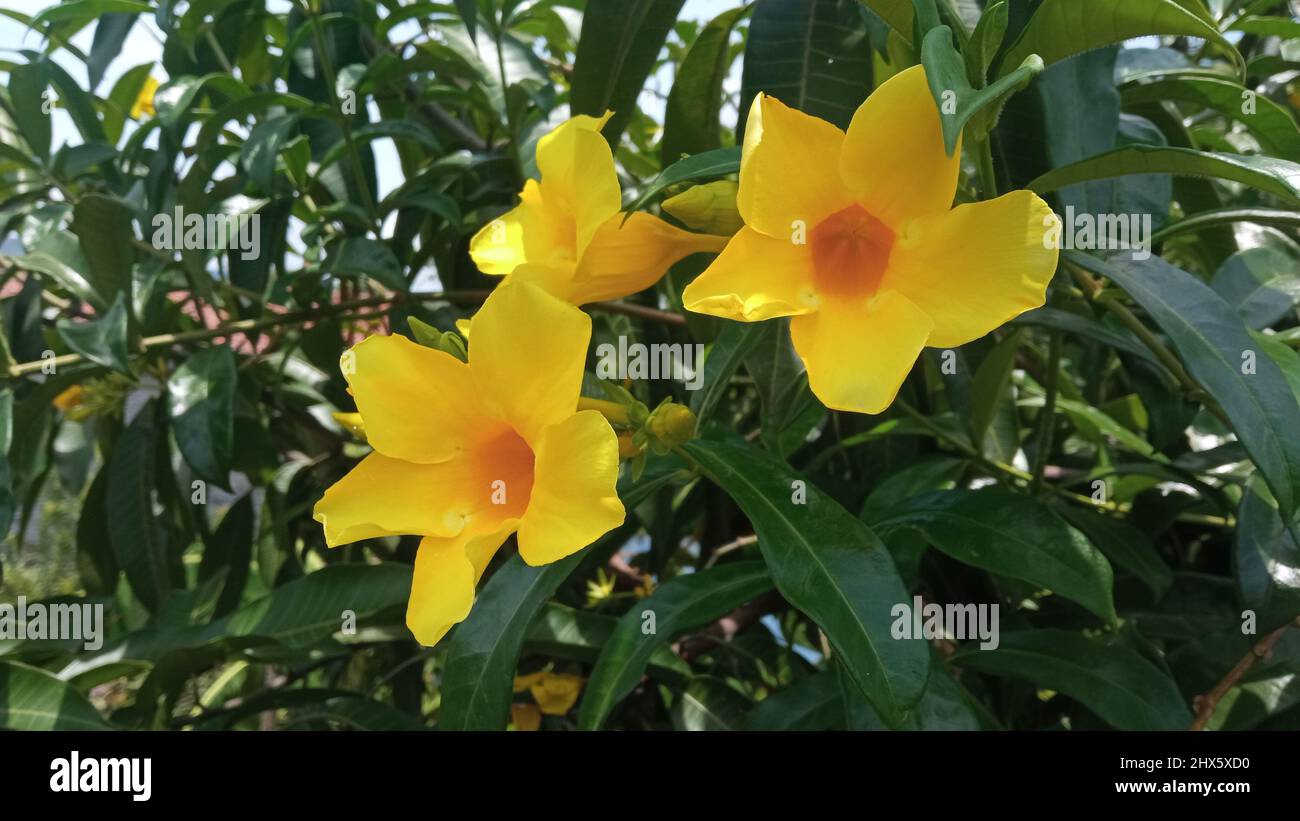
(813, 55)
(812, 703)
(1124, 545)
(734, 342)
(361, 257)
(1270, 175)
(1063, 28)
(133, 527)
(958, 102)
(484, 649)
(8, 503)
(691, 123)
(122, 98)
(201, 401)
(989, 386)
(1266, 559)
(985, 42)
(897, 13)
(1262, 284)
(263, 146)
(617, 49)
(83, 11)
(711, 164)
(230, 550)
(308, 609)
(96, 561)
(1211, 340)
(103, 226)
(32, 699)
(1283, 27)
(1225, 216)
(1272, 124)
(110, 34)
(1012, 535)
(578, 635)
(675, 606)
(829, 565)
(28, 86)
(103, 340)
(709, 703)
(1117, 684)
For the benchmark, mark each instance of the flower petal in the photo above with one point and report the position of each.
(756, 277)
(787, 169)
(446, 573)
(977, 266)
(578, 174)
(418, 404)
(575, 498)
(527, 353)
(858, 355)
(532, 232)
(894, 160)
(624, 258)
(382, 496)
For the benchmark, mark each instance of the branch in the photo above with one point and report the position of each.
(306, 315)
(1205, 704)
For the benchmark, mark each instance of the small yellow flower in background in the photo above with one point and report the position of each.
(568, 234)
(600, 588)
(69, 398)
(144, 100)
(854, 237)
(710, 207)
(555, 693)
(467, 453)
(646, 587)
(102, 396)
(526, 717)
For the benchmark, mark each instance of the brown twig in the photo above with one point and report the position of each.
(1205, 704)
(244, 326)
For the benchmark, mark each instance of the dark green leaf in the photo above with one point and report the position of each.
(1117, 684)
(201, 396)
(675, 606)
(32, 699)
(103, 340)
(1211, 339)
(828, 564)
(1012, 535)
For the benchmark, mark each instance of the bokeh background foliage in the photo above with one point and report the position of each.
(1104, 468)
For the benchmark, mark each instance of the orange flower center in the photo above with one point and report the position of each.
(850, 251)
(507, 473)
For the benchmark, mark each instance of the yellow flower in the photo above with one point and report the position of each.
(525, 717)
(646, 587)
(144, 100)
(555, 693)
(69, 398)
(710, 207)
(599, 589)
(467, 453)
(568, 235)
(853, 235)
